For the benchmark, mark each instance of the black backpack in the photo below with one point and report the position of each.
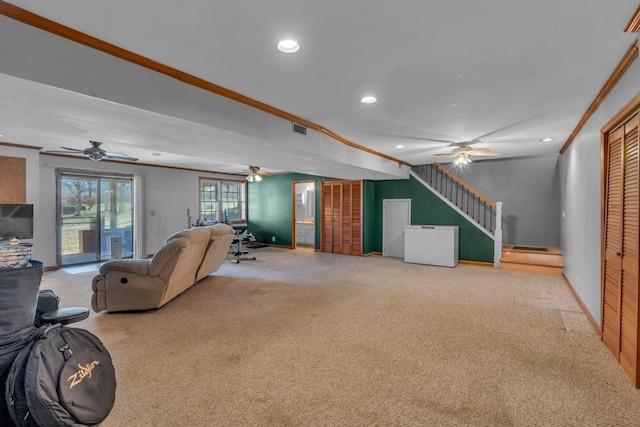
(65, 377)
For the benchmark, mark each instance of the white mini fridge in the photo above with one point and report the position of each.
(431, 244)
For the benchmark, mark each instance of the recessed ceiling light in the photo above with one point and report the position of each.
(548, 139)
(399, 146)
(1, 135)
(288, 46)
(368, 99)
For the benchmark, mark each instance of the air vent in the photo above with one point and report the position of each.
(298, 128)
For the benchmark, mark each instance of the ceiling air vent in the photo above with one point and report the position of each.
(298, 128)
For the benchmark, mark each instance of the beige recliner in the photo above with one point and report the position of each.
(186, 257)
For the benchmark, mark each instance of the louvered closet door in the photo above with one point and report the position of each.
(622, 233)
(613, 243)
(629, 288)
(342, 217)
(327, 218)
(356, 218)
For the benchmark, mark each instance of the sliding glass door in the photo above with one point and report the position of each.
(95, 217)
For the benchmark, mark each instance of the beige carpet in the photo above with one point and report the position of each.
(298, 338)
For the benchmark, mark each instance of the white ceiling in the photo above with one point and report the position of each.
(508, 72)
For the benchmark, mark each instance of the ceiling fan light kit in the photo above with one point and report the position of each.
(254, 174)
(463, 153)
(462, 159)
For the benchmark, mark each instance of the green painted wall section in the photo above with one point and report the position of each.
(269, 209)
(427, 209)
(270, 206)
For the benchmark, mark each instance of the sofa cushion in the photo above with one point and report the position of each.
(217, 249)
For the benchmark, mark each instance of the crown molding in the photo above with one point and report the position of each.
(28, 147)
(625, 63)
(634, 23)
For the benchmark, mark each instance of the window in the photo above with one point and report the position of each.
(222, 200)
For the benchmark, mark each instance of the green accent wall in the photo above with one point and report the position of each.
(270, 206)
(426, 209)
(269, 209)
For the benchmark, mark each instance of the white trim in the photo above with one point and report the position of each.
(384, 220)
(139, 215)
(497, 241)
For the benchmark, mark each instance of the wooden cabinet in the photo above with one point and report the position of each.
(342, 217)
(620, 248)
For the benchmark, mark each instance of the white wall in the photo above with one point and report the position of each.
(169, 193)
(580, 196)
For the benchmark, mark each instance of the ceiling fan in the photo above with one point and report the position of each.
(463, 153)
(255, 174)
(96, 153)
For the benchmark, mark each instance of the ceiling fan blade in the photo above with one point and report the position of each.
(487, 154)
(445, 141)
(70, 149)
(119, 156)
(447, 154)
(71, 153)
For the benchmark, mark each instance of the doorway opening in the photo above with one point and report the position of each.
(94, 217)
(304, 210)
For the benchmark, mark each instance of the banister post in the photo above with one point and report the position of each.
(497, 237)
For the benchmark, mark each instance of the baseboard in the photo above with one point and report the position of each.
(372, 254)
(477, 263)
(280, 246)
(586, 311)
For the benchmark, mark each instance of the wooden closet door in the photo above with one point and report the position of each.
(327, 218)
(630, 234)
(356, 218)
(613, 243)
(620, 321)
(342, 217)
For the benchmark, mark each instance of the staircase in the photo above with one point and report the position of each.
(480, 211)
(487, 216)
(532, 259)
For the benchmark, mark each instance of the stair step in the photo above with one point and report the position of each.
(532, 266)
(532, 259)
(532, 253)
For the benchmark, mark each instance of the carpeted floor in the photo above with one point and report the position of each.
(298, 338)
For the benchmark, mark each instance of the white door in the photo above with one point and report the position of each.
(396, 213)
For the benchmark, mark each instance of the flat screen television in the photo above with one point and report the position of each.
(16, 221)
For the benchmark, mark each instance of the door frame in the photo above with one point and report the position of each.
(384, 219)
(81, 172)
(621, 118)
(293, 212)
